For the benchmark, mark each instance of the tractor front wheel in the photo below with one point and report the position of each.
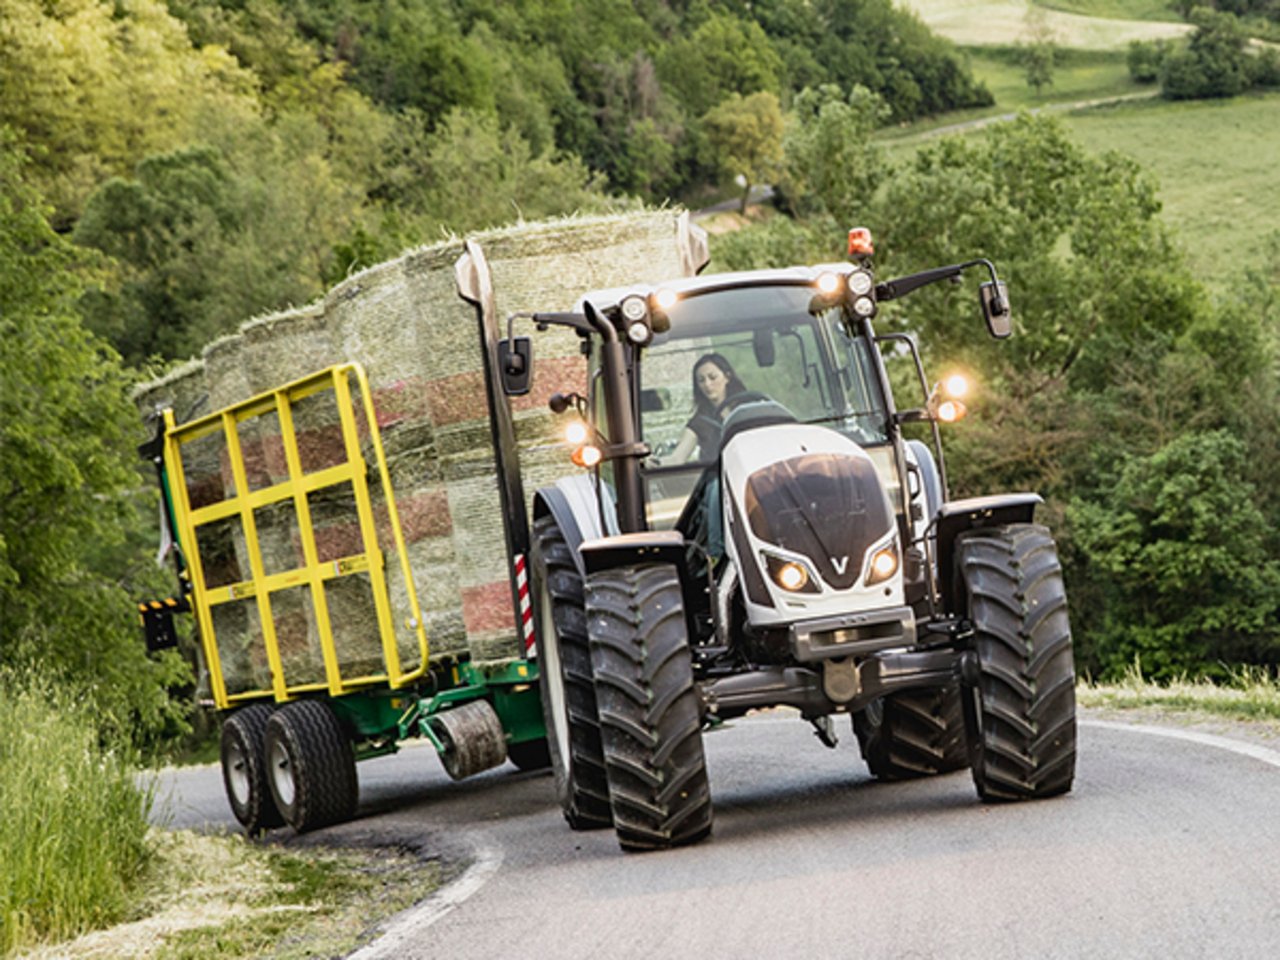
(1020, 712)
(650, 713)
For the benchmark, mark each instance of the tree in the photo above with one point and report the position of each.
(832, 163)
(1039, 50)
(722, 57)
(67, 509)
(1214, 64)
(94, 86)
(746, 133)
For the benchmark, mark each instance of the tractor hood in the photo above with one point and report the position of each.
(828, 507)
(805, 494)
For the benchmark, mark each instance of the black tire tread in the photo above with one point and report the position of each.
(920, 733)
(1023, 744)
(581, 782)
(249, 725)
(650, 713)
(326, 789)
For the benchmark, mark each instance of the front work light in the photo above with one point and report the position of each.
(790, 575)
(828, 283)
(587, 456)
(575, 433)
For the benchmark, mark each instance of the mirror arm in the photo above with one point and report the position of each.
(893, 289)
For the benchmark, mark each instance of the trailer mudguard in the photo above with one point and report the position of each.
(957, 516)
(577, 510)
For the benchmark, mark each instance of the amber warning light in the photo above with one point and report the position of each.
(860, 244)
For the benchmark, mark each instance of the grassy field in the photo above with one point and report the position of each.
(1249, 696)
(1216, 163)
(1158, 10)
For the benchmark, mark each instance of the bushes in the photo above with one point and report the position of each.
(1215, 62)
(73, 835)
(1178, 551)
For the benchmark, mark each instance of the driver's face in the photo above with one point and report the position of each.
(712, 382)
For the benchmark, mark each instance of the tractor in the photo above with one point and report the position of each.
(777, 540)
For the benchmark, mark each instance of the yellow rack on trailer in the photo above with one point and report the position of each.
(242, 502)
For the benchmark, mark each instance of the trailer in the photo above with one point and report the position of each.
(350, 527)
(290, 741)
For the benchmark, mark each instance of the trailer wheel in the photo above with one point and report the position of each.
(244, 769)
(915, 733)
(311, 766)
(567, 685)
(1020, 708)
(650, 713)
(530, 754)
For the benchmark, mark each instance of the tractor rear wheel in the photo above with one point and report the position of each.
(650, 713)
(567, 685)
(915, 733)
(244, 769)
(1020, 708)
(311, 766)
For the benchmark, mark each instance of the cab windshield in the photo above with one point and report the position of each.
(760, 340)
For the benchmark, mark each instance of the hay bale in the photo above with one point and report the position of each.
(421, 348)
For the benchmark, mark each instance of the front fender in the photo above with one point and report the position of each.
(957, 516)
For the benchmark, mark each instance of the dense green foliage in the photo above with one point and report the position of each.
(73, 838)
(1216, 61)
(69, 521)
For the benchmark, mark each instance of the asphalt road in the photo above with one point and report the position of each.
(1166, 848)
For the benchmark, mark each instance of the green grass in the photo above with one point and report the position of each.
(1250, 694)
(1158, 10)
(1078, 75)
(1216, 166)
(73, 824)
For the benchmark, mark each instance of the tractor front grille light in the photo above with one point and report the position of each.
(791, 575)
(882, 565)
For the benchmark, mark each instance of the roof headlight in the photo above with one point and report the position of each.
(860, 283)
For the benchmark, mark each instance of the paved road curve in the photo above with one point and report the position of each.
(1167, 848)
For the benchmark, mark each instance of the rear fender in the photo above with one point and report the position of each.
(957, 516)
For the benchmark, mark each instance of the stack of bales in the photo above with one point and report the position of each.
(421, 347)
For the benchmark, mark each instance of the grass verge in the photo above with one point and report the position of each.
(73, 834)
(1250, 695)
(222, 898)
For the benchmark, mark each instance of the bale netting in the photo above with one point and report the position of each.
(420, 345)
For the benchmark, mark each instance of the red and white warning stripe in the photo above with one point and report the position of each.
(526, 605)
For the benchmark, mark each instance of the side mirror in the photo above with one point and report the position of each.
(515, 365)
(995, 309)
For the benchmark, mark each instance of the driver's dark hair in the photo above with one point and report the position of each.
(700, 403)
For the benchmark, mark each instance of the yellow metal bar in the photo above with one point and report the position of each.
(368, 528)
(249, 527)
(187, 533)
(324, 570)
(310, 557)
(313, 573)
(393, 516)
(276, 493)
